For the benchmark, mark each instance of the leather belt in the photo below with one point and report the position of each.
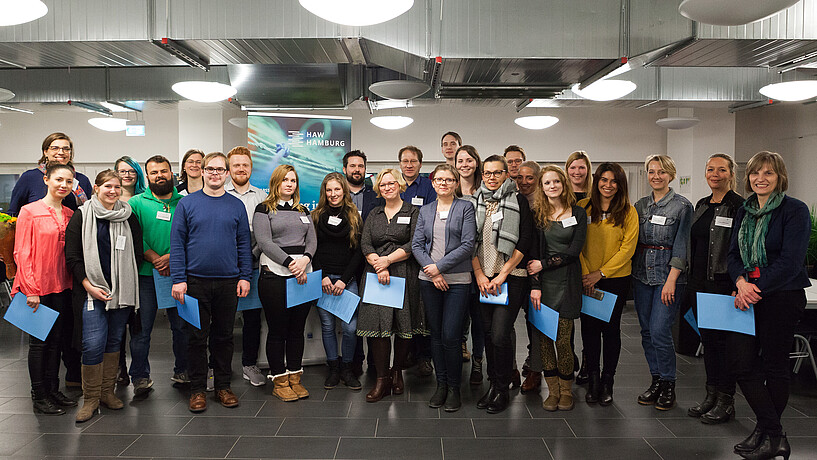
(661, 248)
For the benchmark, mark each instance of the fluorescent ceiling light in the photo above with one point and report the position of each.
(605, 90)
(13, 12)
(6, 95)
(109, 124)
(536, 121)
(391, 104)
(203, 91)
(391, 121)
(357, 12)
(15, 109)
(791, 90)
(731, 12)
(534, 103)
(677, 122)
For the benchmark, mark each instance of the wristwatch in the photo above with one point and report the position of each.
(602, 274)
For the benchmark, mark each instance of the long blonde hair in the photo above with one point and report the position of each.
(275, 180)
(582, 155)
(347, 205)
(542, 209)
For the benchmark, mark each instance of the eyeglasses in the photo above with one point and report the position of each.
(55, 148)
(409, 162)
(444, 180)
(218, 171)
(385, 185)
(497, 174)
(129, 172)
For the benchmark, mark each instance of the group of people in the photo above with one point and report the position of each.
(543, 236)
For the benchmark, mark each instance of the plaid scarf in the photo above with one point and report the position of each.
(505, 230)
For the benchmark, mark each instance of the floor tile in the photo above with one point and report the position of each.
(142, 425)
(13, 442)
(514, 410)
(30, 423)
(240, 426)
(285, 447)
(181, 446)
(215, 409)
(79, 445)
(391, 448)
(302, 426)
(470, 449)
(392, 409)
(446, 428)
(277, 408)
(686, 448)
(608, 449)
(633, 428)
(693, 428)
(520, 428)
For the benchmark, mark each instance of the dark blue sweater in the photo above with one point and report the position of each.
(210, 238)
(30, 188)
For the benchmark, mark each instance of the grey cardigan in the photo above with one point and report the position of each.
(460, 237)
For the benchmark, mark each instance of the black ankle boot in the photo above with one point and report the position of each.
(606, 393)
(438, 398)
(723, 411)
(750, 443)
(771, 447)
(44, 406)
(649, 396)
(666, 397)
(707, 404)
(500, 402)
(487, 397)
(593, 388)
(452, 400)
(333, 378)
(582, 377)
(60, 399)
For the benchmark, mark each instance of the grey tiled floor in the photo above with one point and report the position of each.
(340, 424)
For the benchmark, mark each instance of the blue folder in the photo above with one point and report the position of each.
(343, 306)
(601, 309)
(252, 301)
(501, 299)
(545, 319)
(717, 311)
(387, 295)
(37, 323)
(298, 294)
(163, 285)
(690, 317)
(189, 311)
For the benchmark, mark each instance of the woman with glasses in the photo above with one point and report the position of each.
(133, 179)
(191, 179)
(504, 235)
(443, 244)
(386, 245)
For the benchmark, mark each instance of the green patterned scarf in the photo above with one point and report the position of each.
(752, 233)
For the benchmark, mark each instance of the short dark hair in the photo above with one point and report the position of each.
(410, 148)
(497, 159)
(515, 148)
(354, 153)
(454, 135)
(158, 159)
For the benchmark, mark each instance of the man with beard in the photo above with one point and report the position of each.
(154, 208)
(240, 162)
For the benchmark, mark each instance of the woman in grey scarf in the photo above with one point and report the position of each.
(103, 247)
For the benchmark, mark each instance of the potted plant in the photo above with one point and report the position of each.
(811, 254)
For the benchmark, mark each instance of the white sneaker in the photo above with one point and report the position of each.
(254, 376)
(211, 381)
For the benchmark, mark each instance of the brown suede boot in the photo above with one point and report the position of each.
(281, 388)
(91, 387)
(565, 394)
(295, 384)
(551, 403)
(110, 370)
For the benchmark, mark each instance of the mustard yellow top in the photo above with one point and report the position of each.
(609, 248)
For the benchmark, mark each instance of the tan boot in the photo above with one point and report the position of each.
(281, 388)
(295, 383)
(565, 394)
(110, 370)
(91, 387)
(551, 403)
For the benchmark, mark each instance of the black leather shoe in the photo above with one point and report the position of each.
(60, 399)
(452, 400)
(46, 407)
(438, 398)
(649, 396)
(751, 443)
(500, 402)
(606, 393)
(593, 388)
(723, 411)
(706, 405)
(771, 447)
(666, 396)
(487, 397)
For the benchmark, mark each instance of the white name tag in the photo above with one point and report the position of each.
(404, 220)
(589, 220)
(89, 305)
(161, 215)
(360, 212)
(443, 215)
(659, 220)
(569, 222)
(417, 201)
(120, 243)
(721, 221)
(305, 219)
(496, 216)
(334, 220)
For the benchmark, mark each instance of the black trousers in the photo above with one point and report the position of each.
(594, 329)
(716, 343)
(286, 325)
(250, 336)
(764, 377)
(218, 301)
(44, 356)
(498, 326)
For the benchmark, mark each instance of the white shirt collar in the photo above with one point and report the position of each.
(282, 202)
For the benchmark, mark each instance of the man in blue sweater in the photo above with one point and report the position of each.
(211, 260)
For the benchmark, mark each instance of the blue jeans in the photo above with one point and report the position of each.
(656, 321)
(445, 313)
(101, 331)
(140, 342)
(330, 339)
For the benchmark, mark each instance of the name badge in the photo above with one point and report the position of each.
(162, 215)
(334, 220)
(305, 219)
(723, 221)
(120, 243)
(417, 201)
(404, 220)
(443, 215)
(360, 212)
(589, 220)
(569, 222)
(659, 220)
(496, 216)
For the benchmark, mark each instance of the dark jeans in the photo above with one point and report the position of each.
(71, 357)
(140, 341)
(593, 329)
(656, 321)
(250, 336)
(445, 312)
(716, 343)
(328, 329)
(217, 306)
(286, 325)
(44, 356)
(498, 323)
(764, 378)
(102, 331)
(473, 319)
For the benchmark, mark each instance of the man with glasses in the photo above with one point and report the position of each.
(211, 260)
(514, 155)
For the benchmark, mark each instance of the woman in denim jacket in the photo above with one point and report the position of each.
(659, 277)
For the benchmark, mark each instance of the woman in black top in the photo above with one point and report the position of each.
(191, 179)
(708, 246)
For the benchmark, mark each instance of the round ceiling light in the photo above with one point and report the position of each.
(357, 12)
(731, 12)
(536, 121)
(13, 12)
(605, 90)
(791, 90)
(677, 122)
(109, 124)
(6, 95)
(203, 91)
(391, 121)
(399, 89)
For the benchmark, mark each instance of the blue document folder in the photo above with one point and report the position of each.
(387, 295)
(545, 319)
(189, 311)
(252, 301)
(717, 311)
(601, 309)
(690, 317)
(298, 294)
(343, 306)
(501, 299)
(163, 285)
(37, 323)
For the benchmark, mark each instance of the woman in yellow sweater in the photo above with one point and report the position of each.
(612, 235)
